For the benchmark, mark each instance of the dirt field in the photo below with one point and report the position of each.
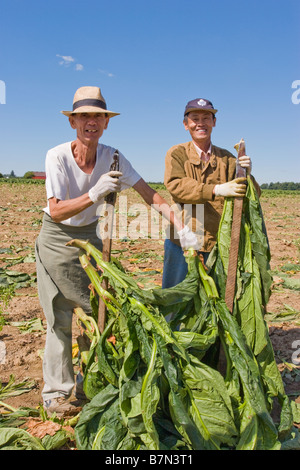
(20, 219)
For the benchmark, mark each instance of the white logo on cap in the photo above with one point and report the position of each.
(202, 102)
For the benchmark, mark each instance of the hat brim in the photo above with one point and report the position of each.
(213, 111)
(90, 109)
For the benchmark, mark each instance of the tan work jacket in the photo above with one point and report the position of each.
(191, 181)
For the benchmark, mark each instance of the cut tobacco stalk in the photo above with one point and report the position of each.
(91, 250)
(91, 327)
(168, 338)
(96, 281)
(208, 283)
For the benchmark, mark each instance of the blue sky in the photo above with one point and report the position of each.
(149, 58)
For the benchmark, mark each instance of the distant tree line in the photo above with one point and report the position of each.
(28, 175)
(287, 186)
(10, 175)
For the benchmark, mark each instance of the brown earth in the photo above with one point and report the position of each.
(20, 220)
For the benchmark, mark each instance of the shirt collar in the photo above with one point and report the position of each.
(204, 156)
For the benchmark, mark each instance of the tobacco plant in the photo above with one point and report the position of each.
(156, 385)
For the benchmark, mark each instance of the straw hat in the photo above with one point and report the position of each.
(88, 99)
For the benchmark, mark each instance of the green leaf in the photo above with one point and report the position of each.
(150, 395)
(244, 362)
(30, 326)
(90, 418)
(210, 407)
(18, 439)
(13, 389)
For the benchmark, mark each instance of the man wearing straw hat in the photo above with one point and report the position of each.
(78, 177)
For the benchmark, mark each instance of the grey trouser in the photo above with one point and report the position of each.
(62, 286)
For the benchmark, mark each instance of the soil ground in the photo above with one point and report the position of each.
(20, 219)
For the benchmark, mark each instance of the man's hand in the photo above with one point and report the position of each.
(108, 183)
(234, 188)
(188, 239)
(245, 162)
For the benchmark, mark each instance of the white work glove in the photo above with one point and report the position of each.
(245, 162)
(188, 239)
(107, 183)
(234, 188)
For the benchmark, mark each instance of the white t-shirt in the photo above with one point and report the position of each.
(65, 180)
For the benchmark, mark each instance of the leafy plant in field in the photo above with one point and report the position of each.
(38, 431)
(11, 280)
(152, 386)
(12, 389)
(6, 293)
(287, 314)
(15, 279)
(20, 181)
(29, 326)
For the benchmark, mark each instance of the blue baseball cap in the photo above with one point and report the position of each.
(200, 104)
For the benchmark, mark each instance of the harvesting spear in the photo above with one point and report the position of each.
(110, 201)
(235, 232)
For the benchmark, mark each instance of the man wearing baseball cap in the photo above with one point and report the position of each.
(198, 176)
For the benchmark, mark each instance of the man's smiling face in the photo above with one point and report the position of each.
(200, 125)
(89, 126)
